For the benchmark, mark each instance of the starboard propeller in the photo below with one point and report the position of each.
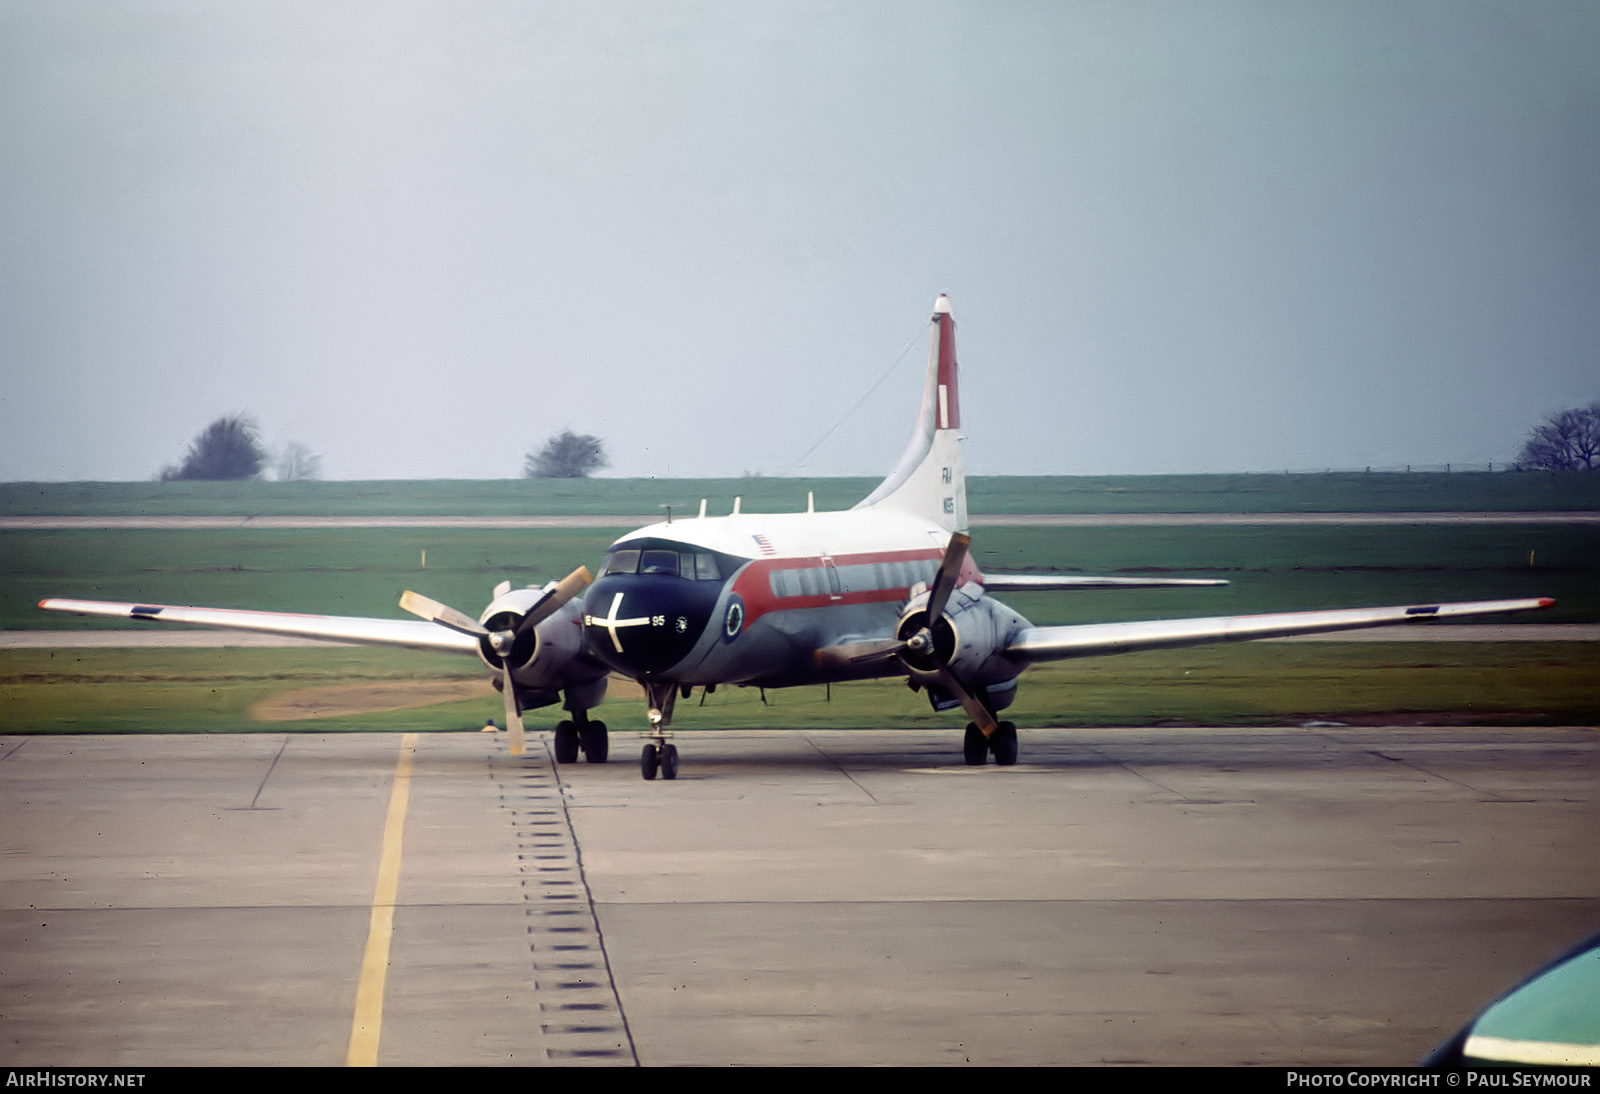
(502, 644)
(919, 646)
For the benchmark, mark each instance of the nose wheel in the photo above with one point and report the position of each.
(659, 756)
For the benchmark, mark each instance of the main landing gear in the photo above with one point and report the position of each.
(581, 734)
(1002, 742)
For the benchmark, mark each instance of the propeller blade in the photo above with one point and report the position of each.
(443, 614)
(849, 654)
(570, 586)
(513, 711)
(969, 702)
(955, 556)
(872, 651)
(503, 641)
(949, 572)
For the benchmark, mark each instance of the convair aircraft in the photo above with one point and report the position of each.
(887, 588)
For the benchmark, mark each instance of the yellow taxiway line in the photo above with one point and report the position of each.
(368, 1022)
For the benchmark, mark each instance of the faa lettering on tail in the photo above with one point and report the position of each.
(886, 588)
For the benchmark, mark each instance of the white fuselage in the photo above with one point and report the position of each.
(786, 585)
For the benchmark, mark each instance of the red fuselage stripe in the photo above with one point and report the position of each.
(754, 584)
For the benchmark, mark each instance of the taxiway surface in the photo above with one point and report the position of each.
(1293, 895)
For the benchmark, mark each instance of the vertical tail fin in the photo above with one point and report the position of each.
(929, 480)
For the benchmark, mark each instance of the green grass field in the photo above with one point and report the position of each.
(215, 691)
(363, 571)
(339, 571)
(1332, 492)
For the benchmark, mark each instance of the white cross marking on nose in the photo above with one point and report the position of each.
(611, 622)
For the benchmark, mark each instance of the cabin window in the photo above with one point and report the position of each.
(857, 578)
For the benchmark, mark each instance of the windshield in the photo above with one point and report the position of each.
(693, 565)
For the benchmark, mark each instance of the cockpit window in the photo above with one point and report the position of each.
(688, 564)
(659, 562)
(623, 562)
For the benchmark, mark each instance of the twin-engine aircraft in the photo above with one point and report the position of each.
(887, 588)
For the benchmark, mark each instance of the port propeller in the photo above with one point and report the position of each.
(502, 642)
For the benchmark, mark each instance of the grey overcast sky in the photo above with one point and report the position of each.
(422, 237)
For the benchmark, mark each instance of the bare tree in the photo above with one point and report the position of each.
(228, 448)
(296, 461)
(1567, 441)
(568, 455)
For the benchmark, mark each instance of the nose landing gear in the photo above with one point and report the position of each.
(659, 755)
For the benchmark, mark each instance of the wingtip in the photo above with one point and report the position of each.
(1546, 601)
(941, 306)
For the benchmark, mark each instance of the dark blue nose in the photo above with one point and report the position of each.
(644, 624)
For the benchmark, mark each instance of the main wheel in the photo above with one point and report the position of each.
(669, 761)
(1003, 742)
(650, 761)
(596, 744)
(566, 743)
(975, 746)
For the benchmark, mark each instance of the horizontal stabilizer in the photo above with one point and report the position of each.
(411, 633)
(1091, 639)
(1023, 583)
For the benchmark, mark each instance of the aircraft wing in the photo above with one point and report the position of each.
(1018, 583)
(412, 633)
(1089, 639)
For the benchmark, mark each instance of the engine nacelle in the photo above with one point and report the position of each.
(550, 657)
(968, 639)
